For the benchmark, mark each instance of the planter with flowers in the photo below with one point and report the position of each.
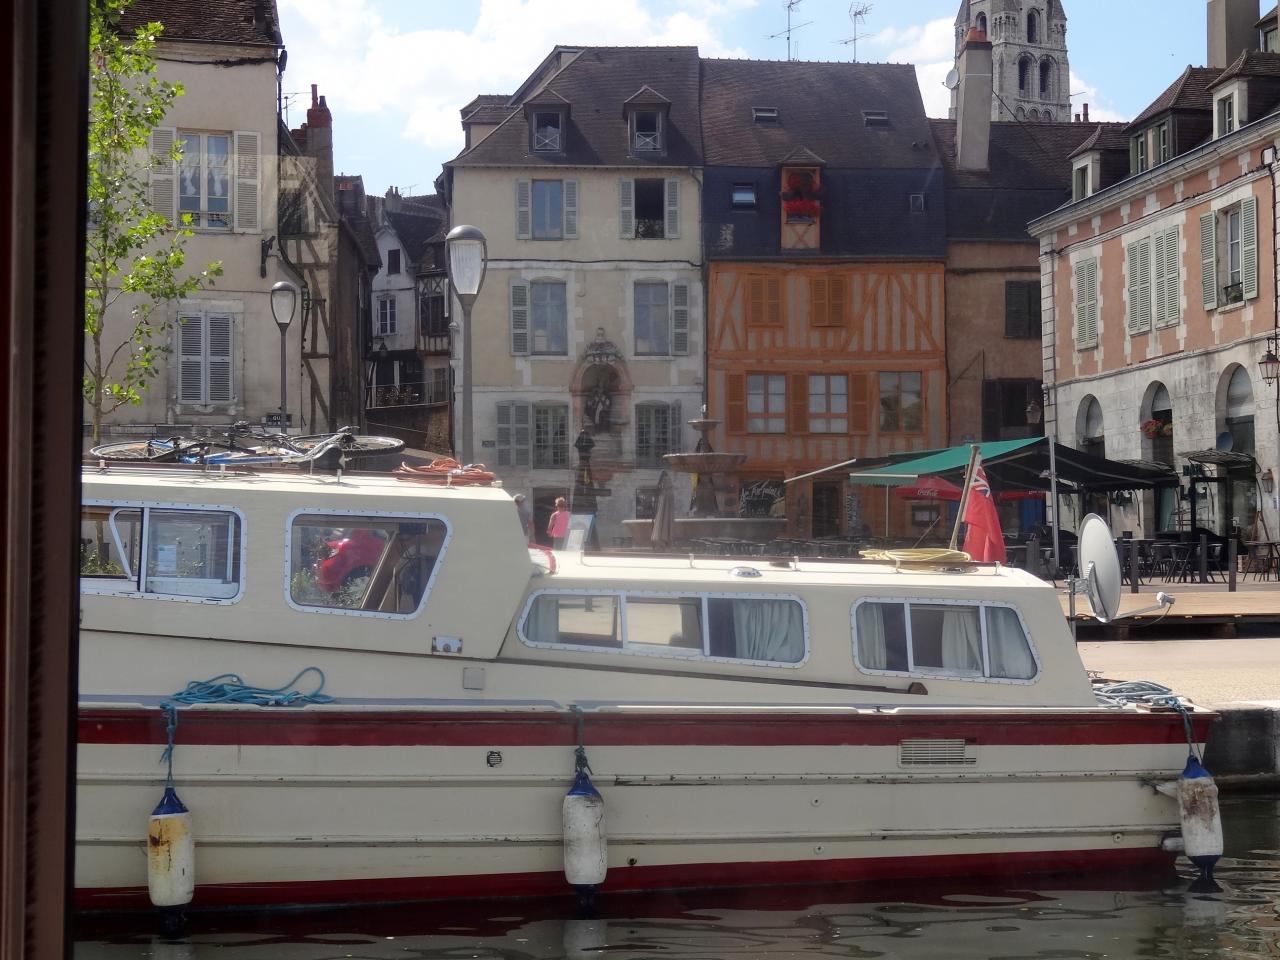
(801, 196)
(1157, 428)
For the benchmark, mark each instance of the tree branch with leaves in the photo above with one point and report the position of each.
(134, 257)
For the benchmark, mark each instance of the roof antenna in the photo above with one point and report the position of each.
(858, 16)
(791, 6)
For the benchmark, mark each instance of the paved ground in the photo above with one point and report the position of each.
(1212, 672)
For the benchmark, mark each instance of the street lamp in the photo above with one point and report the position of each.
(465, 248)
(284, 301)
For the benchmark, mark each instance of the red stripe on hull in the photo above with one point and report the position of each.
(311, 728)
(633, 879)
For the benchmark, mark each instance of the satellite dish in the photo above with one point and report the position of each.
(953, 79)
(1224, 443)
(1100, 568)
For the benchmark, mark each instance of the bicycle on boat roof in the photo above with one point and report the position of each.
(245, 444)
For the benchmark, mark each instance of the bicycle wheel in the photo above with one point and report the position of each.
(353, 445)
(155, 450)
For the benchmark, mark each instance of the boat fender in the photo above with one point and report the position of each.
(171, 853)
(1200, 817)
(585, 846)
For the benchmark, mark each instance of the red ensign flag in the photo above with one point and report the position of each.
(982, 537)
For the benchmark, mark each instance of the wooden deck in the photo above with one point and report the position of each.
(1209, 604)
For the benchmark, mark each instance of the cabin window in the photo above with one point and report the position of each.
(373, 565)
(963, 640)
(170, 553)
(724, 627)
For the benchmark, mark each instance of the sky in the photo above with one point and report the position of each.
(396, 72)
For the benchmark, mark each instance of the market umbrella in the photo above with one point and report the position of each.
(664, 514)
(929, 488)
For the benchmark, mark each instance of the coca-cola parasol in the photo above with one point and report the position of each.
(929, 488)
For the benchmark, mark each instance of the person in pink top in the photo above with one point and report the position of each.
(558, 525)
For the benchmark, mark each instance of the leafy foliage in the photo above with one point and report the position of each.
(132, 251)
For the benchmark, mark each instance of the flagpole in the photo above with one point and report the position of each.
(964, 494)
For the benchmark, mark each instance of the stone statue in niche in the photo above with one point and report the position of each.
(597, 407)
(600, 387)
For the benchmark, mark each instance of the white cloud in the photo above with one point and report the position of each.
(931, 47)
(1100, 108)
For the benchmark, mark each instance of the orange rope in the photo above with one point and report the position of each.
(445, 471)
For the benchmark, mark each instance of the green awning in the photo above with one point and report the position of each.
(940, 461)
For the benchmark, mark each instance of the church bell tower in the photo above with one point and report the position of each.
(1031, 77)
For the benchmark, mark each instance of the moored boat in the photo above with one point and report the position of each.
(745, 721)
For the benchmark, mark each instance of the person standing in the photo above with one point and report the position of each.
(558, 525)
(526, 516)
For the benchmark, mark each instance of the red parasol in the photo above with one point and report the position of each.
(1008, 496)
(929, 488)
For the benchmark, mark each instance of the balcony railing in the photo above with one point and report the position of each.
(1233, 293)
(423, 393)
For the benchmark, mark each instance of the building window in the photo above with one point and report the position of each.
(766, 403)
(393, 261)
(652, 320)
(1045, 74)
(1238, 415)
(435, 322)
(1229, 254)
(875, 118)
(204, 358)
(546, 132)
(1004, 408)
(1022, 309)
(1093, 439)
(657, 432)
(901, 406)
(386, 316)
(743, 196)
(1024, 76)
(1033, 27)
(1162, 142)
(650, 211)
(915, 203)
(550, 435)
(764, 114)
(647, 131)
(1233, 253)
(1140, 152)
(764, 301)
(827, 301)
(548, 209)
(205, 180)
(828, 403)
(1080, 183)
(1226, 114)
(550, 322)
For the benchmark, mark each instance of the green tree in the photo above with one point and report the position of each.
(131, 251)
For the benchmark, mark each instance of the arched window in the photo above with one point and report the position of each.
(1238, 411)
(1046, 73)
(1092, 436)
(981, 22)
(1157, 425)
(1024, 76)
(1047, 116)
(1033, 27)
(1035, 114)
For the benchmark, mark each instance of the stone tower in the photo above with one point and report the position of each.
(1031, 76)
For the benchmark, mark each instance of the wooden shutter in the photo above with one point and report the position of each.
(1209, 261)
(522, 433)
(163, 186)
(519, 318)
(524, 209)
(570, 209)
(1086, 276)
(735, 403)
(504, 435)
(770, 300)
(819, 307)
(859, 403)
(675, 435)
(1249, 247)
(679, 318)
(191, 358)
(1138, 257)
(1171, 295)
(755, 301)
(672, 225)
(219, 358)
(798, 402)
(247, 183)
(1144, 284)
(836, 301)
(1015, 309)
(627, 208)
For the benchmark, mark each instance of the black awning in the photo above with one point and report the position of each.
(1223, 458)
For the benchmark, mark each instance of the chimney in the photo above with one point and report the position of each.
(973, 102)
(319, 143)
(1230, 29)
(1086, 113)
(1077, 118)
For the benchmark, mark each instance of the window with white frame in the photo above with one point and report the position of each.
(1140, 152)
(766, 403)
(1162, 142)
(550, 435)
(204, 180)
(646, 131)
(204, 357)
(648, 208)
(658, 427)
(1226, 114)
(546, 209)
(547, 132)
(652, 319)
(901, 402)
(963, 640)
(386, 316)
(1229, 254)
(1085, 276)
(828, 403)
(550, 320)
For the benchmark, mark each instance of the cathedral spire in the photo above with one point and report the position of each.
(1031, 75)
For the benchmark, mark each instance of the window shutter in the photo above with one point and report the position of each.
(679, 318)
(735, 403)
(627, 208)
(819, 307)
(570, 209)
(191, 358)
(519, 318)
(522, 433)
(219, 326)
(1086, 274)
(859, 403)
(248, 176)
(755, 301)
(1144, 284)
(798, 402)
(524, 209)
(1170, 305)
(835, 301)
(676, 434)
(1249, 247)
(672, 226)
(1139, 266)
(773, 301)
(1015, 309)
(163, 193)
(504, 436)
(990, 410)
(1209, 261)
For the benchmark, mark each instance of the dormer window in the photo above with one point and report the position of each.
(646, 135)
(646, 113)
(1080, 183)
(547, 132)
(1226, 112)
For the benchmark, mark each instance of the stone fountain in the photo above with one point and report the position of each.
(707, 518)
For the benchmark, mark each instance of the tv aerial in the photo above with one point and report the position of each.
(858, 11)
(791, 6)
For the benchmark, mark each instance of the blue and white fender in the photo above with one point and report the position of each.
(171, 853)
(585, 845)
(1201, 820)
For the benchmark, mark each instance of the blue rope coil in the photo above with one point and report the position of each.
(230, 688)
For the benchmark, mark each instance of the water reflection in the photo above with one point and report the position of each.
(1107, 917)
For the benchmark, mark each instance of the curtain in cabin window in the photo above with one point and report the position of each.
(768, 630)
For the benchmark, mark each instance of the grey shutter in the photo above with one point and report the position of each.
(1138, 257)
(519, 318)
(1086, 303)
(675, 438)
(680, 318)
(504, 436)
(1015, 308)
(247, 181)
(219, 358)
(163, 185)
(191, 358)
(672, 225)
(1209, 260)
(1171, 297)
(627, 208)
(521, 433)
(570, 209)
(1249, 247)
(524, 209)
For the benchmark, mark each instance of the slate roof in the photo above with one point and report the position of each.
(487, 108)
(595, 84)
(1107, 136)
(226, 21)
(351, 205)
(820, 107)
(1250, 63)
(1189, 92)
(416, 232)
(1269, 19)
